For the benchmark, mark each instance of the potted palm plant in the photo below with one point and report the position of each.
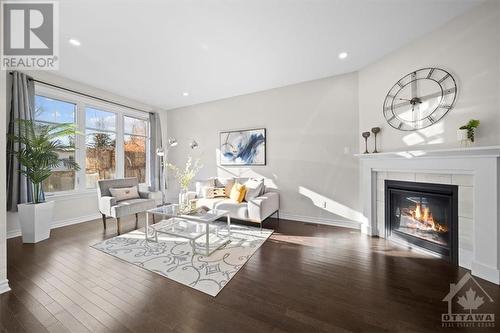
(40, 145)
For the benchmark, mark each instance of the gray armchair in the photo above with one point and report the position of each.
(109, 207)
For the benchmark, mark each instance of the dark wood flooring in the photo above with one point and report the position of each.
(306, 278)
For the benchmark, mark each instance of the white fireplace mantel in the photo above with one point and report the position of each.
(482, 163)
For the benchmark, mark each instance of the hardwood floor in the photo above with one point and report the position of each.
(306, 278)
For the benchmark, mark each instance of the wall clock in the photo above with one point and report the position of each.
(420, 99)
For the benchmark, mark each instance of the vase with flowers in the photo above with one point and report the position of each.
(184, 176)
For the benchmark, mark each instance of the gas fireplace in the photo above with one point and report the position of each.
(424, 215)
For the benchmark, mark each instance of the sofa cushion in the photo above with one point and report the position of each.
(238, 210)
(210, 203)
(132, 206)
(254, 188)
(124, 193)
(203, 185)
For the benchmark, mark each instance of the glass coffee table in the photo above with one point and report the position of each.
(190, 226)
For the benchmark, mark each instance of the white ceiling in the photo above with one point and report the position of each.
(153, 51)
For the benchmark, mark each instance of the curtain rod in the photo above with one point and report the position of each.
(84, 94)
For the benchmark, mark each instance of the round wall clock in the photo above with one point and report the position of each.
(420, 99)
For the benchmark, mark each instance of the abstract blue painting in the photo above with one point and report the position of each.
(245, 147)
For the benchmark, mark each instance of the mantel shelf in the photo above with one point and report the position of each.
(448, 152)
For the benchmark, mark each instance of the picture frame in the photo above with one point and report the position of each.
(246, 147)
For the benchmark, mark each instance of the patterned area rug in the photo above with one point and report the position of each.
(173, 257)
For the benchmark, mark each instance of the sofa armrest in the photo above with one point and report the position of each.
(156, 196)
(263, 206)
(105, 204)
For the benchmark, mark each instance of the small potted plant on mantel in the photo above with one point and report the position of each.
(40, 146)
(466, 133)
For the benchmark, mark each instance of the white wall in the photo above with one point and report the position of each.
(469, 48)
(71, 208)
(311, 133)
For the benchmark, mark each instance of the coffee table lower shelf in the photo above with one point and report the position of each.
(192, 231)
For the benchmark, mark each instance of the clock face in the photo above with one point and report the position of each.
(420, 99)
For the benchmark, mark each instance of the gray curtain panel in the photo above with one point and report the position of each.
(22, 106)
(156, 174)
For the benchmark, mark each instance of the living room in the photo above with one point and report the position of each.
(250, 166)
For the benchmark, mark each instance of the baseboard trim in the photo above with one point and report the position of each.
(4, 286)
(486, 272)
(320, 220)
(59, 224)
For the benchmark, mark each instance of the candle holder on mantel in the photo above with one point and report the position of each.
(375, 131)
(366, 135)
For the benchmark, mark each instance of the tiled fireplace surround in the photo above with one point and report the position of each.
(476, 173)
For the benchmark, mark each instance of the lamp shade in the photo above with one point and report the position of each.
(172, 142)
(160, 152)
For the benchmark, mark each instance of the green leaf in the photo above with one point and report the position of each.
(40, 145)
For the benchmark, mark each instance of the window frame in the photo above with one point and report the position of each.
(82, 102)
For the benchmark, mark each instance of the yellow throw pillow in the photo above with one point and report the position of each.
(238, 192)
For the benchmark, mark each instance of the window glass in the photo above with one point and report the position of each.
(100, 142)
(100, 120)
(134, 126)
(135, 157)
(50, 111)
(135, 143)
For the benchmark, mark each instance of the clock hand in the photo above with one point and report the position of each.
(412, 101)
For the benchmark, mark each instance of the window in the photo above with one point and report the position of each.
(111, 142)
(53, 111)
(100, 142)
(135, 143)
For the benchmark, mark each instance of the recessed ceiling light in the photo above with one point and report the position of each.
(342, 55)
(74, 42)
(185, 93)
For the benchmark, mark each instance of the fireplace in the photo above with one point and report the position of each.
(424, 215)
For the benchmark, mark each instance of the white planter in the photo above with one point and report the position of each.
(35, 220)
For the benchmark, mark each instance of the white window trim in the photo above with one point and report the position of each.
(81, 103)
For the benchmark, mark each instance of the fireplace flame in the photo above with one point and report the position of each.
(422, 219)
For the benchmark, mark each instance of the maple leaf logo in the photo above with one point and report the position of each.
(470, 301)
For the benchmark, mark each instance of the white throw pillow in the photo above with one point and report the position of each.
(202, 185)
(254, 188)
(124, 193)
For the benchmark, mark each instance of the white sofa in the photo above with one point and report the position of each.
(255, 210)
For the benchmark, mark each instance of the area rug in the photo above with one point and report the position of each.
(173, 257)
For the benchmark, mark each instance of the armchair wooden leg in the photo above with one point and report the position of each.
(154, 219)
(136, 220)
(104, 221)
(118, 225)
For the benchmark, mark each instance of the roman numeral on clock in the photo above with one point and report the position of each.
(444, 78)
(430, 73)
(432, 120)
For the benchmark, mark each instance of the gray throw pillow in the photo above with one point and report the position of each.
(124, 193)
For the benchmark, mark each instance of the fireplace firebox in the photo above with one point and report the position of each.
(424, 215)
